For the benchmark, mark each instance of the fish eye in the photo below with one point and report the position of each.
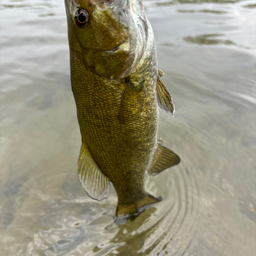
(81, 18)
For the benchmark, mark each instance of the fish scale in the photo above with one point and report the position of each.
(115, 91)
(125, 147)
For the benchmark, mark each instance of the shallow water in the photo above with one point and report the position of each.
(208, 53)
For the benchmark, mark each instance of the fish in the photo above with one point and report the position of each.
(117, 88)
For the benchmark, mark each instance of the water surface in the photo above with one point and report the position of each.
(207, 51)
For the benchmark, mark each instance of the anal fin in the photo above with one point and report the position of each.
(164, 98)
(94, 182)
(163, 158)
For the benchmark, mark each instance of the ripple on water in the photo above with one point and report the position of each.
(177, 215)
(209, 200)
(165, 228)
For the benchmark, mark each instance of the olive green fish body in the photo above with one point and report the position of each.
(118, 124)
(115, 88)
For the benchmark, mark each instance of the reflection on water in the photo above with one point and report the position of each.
(207, 51)
(206, 11)
(207, 39)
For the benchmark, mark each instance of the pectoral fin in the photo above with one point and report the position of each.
(94, 182)
(164, 98)
(131, 102)
(163, 158)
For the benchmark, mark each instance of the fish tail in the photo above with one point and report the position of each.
(137, 207)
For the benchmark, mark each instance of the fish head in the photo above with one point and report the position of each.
(108, 36)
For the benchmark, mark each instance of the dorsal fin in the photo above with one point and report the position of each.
(94, 182)
(160, 72)
(164, 98)
(163, 158)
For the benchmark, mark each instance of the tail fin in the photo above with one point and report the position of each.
(136, 208)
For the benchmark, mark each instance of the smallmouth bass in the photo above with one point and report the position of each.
(117, 90)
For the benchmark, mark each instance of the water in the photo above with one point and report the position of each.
(207, 51)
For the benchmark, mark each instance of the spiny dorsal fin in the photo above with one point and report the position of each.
(164, 98)
(94, 182)
(160, 72)
(163, 158)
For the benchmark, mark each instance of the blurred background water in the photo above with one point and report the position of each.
(207, 49)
